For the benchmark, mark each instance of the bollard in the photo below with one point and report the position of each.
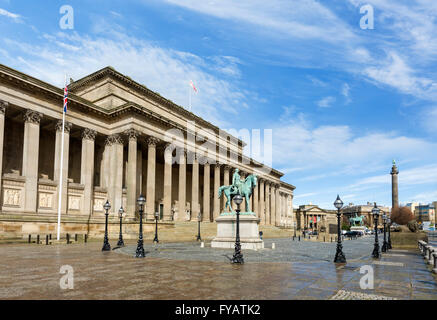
(68, 238)
(75, 237)
(324, 238)
(273, 246)
(47, 239)
(299, 238)
(30, 238)
(37, 239)
(50, 236)
(85, 238)
(202, 244)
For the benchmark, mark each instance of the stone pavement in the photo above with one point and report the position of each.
(294, 270)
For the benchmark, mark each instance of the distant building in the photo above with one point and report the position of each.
(351, 210)
(425, 212)
(312, 217)
(412, 206)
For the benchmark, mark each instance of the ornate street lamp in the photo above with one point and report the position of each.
(389, 237)
(120, 242)
(375, 213)
(238, 256)
(384, 244)
(140, 248)
(199, 217)
(106, 245)
(339, 255)
(156, 228)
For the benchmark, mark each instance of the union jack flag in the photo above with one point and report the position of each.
(65, 98)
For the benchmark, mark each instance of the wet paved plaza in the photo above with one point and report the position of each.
(294, 270)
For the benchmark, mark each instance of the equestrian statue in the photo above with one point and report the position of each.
(242, 187)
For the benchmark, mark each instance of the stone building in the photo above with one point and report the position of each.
(120, 140)
(351, 210)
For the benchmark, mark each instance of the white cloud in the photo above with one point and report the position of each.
(8, 14)
(345, 91)
(326, 102)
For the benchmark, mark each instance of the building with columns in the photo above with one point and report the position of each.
(120, 140)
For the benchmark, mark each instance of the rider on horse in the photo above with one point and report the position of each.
(236, 181)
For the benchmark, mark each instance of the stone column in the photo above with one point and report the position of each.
(87, 169)
(206, 194)
(216, 209)
(167, 182)
(394, 186)
(57, 162)
(182, 194)
(132, 162)
(3, 106)
(115, 175)
(30, 159)
(267, 202)
(195, 189)
(278, 206)
(261, 204)
(151, 173)
(255, 205)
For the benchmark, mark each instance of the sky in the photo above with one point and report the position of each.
(341, 100)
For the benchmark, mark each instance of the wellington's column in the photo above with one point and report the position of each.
(151, 173)
(3, 106)
(195, 189)
(267, 202)
(216, 209)
(167, 181)
(206, 214)
(132, 162)
(261, 205)
(394, 186)
(32, 120)
(115, 174)
(87, 169)
(182, 192)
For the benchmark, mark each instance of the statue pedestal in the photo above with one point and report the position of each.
(361, 229)
(226, 231)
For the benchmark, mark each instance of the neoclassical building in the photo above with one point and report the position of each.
(120, 140)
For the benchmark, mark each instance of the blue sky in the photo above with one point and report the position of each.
(342, 101)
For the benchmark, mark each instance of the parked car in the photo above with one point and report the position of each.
(353, 234)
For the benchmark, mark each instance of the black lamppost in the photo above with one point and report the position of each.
(339, 255)
(384, 244)
(140, 248)
(238, 256)
(199, 216)
(106, 245)
(120, 242)
(389, 237)
(295, 226)
(156, 228)
(375, 213)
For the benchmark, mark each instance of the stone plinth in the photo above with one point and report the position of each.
(226, 231)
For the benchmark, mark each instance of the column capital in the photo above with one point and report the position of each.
(228, 167)
(132, 134)
(89, 134)
(152, 141)
(67, 126)
(32, 116)
(3, 106)
(217, 165)
(114, 139)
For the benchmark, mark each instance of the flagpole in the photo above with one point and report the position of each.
(60, 182)
(189, 100)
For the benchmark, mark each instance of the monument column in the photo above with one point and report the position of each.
(87, 169)
(261, 205)
(132, 162)
(267, 202)
(206, 195)
(151, 173)
(32, 120)
(167, 182)
(3, 106)
(182, 185)
(216, 209)
(195, 189)
(394, 186)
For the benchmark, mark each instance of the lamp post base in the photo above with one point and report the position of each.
(375, 253)
(384, 247)
(339, 256)
(120, 243)
(106, 246)
(140, 250)
(238, 256)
